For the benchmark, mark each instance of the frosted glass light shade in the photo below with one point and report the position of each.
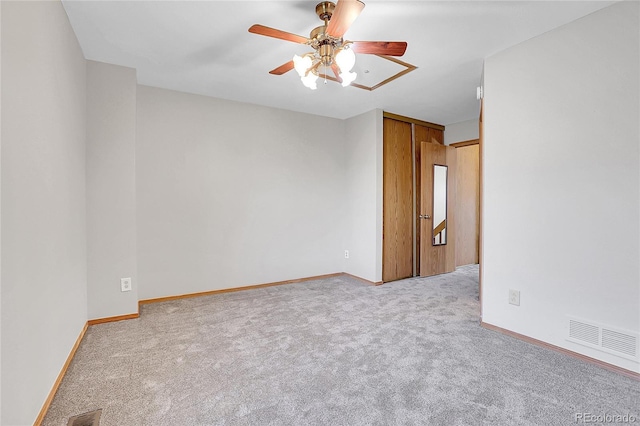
(301, 64)
(310, 81)
(346, 59)
(347, 78)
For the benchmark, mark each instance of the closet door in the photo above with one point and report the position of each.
(397, 210)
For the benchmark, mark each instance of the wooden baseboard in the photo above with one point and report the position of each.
(113, 319)
(56, 384)
(601, 364)
(233, 289)
(362, 279)
(250, 287)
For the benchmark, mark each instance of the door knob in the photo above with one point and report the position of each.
(425, 216)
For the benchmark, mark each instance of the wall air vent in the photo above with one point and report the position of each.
(620, 342)
(615, 341)
(584, 332)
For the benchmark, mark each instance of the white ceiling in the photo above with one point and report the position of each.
(204, 47)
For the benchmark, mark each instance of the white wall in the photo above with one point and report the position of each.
(111, 217)
(561, 184)
(363, 185)
(462, 131)
(232, 194)
(44, 300)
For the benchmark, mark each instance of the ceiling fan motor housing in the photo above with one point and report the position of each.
(324, 44)
(326, 53)
(317, 33)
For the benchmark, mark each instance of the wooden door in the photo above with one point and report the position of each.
(422, 134)
(467, 204)
(397, 210)
(437, 259)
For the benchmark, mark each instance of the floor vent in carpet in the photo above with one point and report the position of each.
(615, 341)
(91, 418)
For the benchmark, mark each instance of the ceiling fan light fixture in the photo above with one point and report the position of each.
(331, 50)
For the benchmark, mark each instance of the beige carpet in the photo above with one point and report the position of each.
(330, 352)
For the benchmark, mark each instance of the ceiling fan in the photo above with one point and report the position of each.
(330, 49)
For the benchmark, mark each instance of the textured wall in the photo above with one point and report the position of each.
(561, 184)
(462, 131)
(111, 203)
(232, 194)
(363, 195)
(44, 299)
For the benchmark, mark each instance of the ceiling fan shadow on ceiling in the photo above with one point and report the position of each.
(330, 50)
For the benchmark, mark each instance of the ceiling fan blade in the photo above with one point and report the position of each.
(389, 48)
(344, 14)
(282, 35)
(284, 68)
(336, 71)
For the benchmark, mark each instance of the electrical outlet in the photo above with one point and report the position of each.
(346, 254)
(514, 297)
(125, 284)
